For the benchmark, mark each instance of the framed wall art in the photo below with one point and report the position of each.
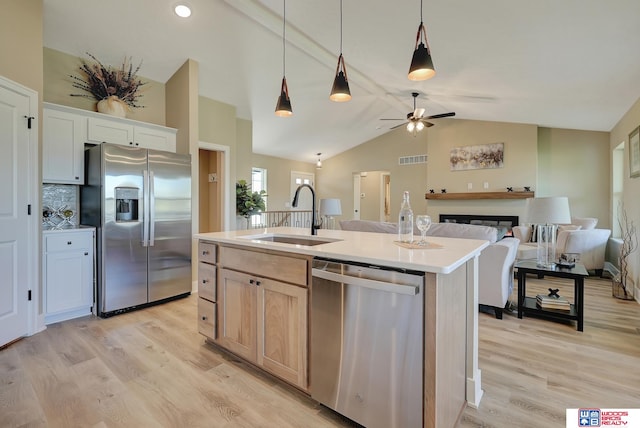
(634, 153)
(485, 156)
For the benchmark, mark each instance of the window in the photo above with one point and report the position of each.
(258, 183)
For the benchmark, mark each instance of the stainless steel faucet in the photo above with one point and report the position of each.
(314, 226)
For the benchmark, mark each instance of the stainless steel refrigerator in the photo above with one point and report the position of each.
(139, 200)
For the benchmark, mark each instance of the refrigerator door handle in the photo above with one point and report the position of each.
(152, 210)
(145, 211)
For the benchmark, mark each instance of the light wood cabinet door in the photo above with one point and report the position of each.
(282, 330)
(237, 313)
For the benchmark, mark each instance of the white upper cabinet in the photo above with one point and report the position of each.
(66, 129)
(63, 147)
(131, 133)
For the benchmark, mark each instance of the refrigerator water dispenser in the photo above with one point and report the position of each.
(127, 203)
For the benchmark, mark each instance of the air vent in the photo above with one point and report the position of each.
(411, 160)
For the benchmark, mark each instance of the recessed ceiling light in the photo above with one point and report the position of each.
(182, 10)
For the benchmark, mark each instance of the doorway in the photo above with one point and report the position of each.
(371, 195)
(214, 204)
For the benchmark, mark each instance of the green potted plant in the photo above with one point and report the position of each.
(248, 203)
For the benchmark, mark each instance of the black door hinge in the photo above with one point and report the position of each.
(29, 296)
(29, 118)
(29, 209)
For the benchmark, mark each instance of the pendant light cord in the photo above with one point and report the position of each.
(284, 29)
(340, 27)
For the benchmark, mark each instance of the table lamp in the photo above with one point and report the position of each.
(329, 208)
(545, 214)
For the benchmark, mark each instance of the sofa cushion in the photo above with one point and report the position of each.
(586, 223)
(369, 226)
(461, 230)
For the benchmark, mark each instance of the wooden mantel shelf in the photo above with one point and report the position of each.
(480, 195)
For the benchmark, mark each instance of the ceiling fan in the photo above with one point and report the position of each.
(415, 121)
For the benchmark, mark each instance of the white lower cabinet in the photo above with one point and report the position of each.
(67, 273)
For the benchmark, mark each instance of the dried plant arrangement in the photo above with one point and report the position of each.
(623, 283)
(102, 82)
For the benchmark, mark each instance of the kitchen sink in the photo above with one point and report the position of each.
(290, 239)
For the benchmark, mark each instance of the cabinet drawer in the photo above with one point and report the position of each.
(276, 266)
(69, 241)
(207, 281)
(206, 252)
(207, 318)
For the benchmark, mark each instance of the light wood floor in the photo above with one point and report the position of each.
(151, 368)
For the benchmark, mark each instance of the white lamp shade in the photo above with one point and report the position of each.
(330, 207)
(551, 210)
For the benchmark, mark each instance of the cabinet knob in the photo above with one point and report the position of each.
(204, 281)
(205, 252)
(258, 283)
(77, 178)
(86, 254)
(251, 281)
(131, 143)
(204, 318)
(69, 242)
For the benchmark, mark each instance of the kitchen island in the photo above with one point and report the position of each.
(256, 301)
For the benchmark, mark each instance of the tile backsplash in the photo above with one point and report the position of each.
(60, 204)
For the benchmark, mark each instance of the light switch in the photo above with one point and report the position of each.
(469, 186)
(486, 185)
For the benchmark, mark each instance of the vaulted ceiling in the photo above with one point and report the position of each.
(567, 64)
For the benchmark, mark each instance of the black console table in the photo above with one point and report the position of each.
(528, 304)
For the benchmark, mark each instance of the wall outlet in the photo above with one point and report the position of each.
(469, 186)
(486, 185)
(213, 177)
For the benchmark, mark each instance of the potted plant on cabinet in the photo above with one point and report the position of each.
(248, 203)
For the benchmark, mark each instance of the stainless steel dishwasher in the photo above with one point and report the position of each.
(367, 338)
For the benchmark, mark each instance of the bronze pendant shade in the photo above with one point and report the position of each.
(421, 64)
(340, 91)
(283, 106)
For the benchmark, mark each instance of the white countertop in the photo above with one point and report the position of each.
(78, 228)
(363, 247)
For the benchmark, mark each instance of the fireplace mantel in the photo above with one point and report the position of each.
(480, 195)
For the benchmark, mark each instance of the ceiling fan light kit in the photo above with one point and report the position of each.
(421, 63)
(340, 91)
(283, 106)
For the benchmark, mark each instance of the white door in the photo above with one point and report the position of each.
(356, 196)
(16, 179)
(305, 201)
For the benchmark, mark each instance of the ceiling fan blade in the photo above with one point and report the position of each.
(391, 119)
(398, 126)
(426, 124)
(438, 116)
(417, 113)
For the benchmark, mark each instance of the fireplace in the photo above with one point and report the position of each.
(503, 223)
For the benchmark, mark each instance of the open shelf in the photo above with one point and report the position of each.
(480, 195)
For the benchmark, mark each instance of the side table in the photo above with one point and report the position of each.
(528, 304)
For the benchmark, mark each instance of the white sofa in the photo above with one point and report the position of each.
(580, 237)
(495, 264)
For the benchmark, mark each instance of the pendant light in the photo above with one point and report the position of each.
(340, 91)
(319, 163)
(421, 64)
(283, 106)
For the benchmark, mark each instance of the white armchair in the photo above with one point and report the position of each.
(495, 274)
